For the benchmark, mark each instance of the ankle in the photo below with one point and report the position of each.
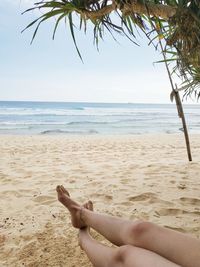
(82, 214)
(83, 235)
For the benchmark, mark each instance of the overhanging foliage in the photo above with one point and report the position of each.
(174, 22)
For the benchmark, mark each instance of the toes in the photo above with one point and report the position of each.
(58, 189)
(61, 195)
(61, 190)
(85, 205)
(64, 190)
(90, 205)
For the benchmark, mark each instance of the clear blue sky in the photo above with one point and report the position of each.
(52, 71)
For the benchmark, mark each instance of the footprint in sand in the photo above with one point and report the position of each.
(175, 228)
(8, 193)
(124, 181)
(174, 212)
(142, 197)
(151, 197)
(105, 197)
(44, 200)
(171, 212)
(2, 240)
(182, 186)
(108, 197)
(72, 181)
(190, 201)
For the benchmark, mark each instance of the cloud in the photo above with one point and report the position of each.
(91, 86)
(19, 3)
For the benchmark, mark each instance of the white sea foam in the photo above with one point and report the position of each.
(82, 118)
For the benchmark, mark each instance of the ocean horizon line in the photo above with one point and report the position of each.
(95, 102)
(185, 103)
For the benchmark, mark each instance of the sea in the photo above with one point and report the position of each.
(70, 118)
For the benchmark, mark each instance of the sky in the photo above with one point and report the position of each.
(50, 70)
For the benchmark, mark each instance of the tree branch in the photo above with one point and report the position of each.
(157, 10)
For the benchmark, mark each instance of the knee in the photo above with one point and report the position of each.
(141, 227)
(122, 254)
(140, 230)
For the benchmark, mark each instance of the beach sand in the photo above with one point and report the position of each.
(146, 177)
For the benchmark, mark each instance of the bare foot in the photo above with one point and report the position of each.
(88, 205)
(73, 207)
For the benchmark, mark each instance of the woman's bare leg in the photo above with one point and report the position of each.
(116, 230)
(98, 254)
(176, 247)
(125, 256)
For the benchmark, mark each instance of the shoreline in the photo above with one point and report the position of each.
(99, 135)
(138, 176)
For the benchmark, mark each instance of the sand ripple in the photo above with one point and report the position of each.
(145, 177)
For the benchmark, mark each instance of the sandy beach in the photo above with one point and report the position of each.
(141, 176)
